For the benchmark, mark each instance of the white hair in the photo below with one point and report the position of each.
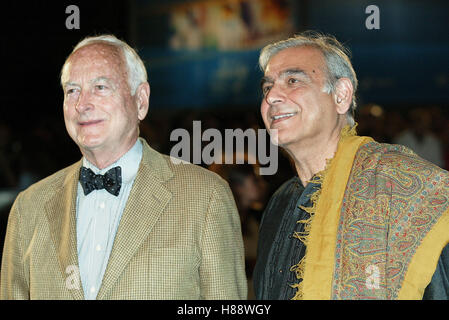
(137, 72)
(338, 63)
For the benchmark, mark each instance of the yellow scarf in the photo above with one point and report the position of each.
(414, 253)
(334, 184)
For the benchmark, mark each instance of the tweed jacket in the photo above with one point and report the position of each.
(179, 238)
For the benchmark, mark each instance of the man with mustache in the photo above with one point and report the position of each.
(124, 222)
(361, 220)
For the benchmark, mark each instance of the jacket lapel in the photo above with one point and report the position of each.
(61, 215)
(147, 200)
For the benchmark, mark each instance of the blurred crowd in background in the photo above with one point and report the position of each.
(43, 148)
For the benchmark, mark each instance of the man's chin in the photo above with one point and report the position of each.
(279, 140)
(89, 143)
(278, 137)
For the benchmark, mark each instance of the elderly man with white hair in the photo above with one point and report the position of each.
(124, 222)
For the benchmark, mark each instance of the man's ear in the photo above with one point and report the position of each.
(142, 97)
(343, 95)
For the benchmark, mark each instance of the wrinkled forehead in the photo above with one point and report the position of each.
(96, 55)
(98, 50)
(304, 57)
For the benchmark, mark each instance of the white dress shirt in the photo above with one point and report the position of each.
(97, 218)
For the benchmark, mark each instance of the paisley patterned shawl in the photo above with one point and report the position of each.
(380, 225)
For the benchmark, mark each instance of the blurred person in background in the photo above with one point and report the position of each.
(420, 138)
(249, 191)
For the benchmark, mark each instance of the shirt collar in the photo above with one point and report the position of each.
(129, 163)
(306, 192)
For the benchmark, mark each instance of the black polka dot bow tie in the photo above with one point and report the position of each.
(111, 180)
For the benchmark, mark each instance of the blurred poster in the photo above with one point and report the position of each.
(229, 25)
(205, 53)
